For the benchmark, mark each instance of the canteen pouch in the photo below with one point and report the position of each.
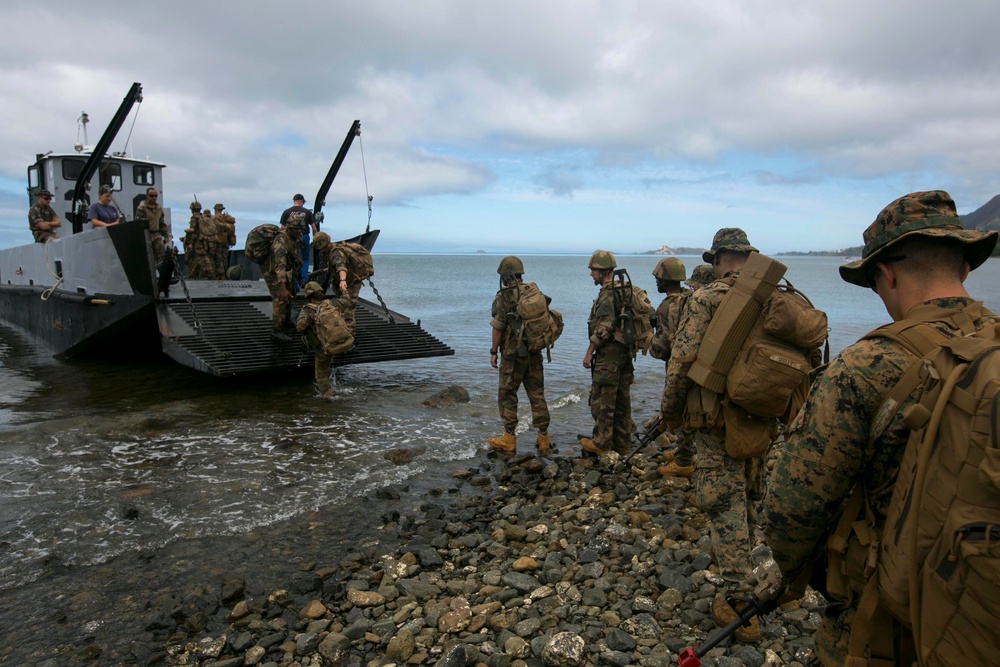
(747, 436)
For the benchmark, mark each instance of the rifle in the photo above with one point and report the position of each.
(645, 438)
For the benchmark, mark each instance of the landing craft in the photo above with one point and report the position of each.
(98, 290)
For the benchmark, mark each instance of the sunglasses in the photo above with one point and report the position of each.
(874, 274)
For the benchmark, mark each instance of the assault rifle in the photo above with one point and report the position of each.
(645, 438)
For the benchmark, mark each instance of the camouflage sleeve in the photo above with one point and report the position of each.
(498, 312)
(602, 318)
(141, 213)
(305, 319)
(34, 217)
(337, 260)
(660, 347)
(818, 466)
(690, 330)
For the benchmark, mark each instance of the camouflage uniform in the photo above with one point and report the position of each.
(159, 234)
(281, 268)
(722, 483)
(518, 367)
(349, 298)
(612, 375)
(41, 213)
(322, 362)
(225, 239)
(827, 450)
(668, 317)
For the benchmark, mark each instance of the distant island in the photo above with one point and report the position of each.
(667, 250)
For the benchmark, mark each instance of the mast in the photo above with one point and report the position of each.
(94, 161)
(320, 199)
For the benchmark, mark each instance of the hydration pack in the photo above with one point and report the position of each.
(259, 240)
(358, 259)
(935, 564)
(634, 327)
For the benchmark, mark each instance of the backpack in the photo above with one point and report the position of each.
(259, 240)
(332, 331)
(358, 258)
(770, 375)
(540, 325)
(938, 554)
(634, 328)
(665, 323)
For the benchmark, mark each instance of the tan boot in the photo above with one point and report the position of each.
(542, 441)
(723, 615)
(505, 443)
(668, 455)
(590, 447)
(674, 470)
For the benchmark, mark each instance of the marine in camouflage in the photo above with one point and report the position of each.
(280, 270)
(225, 239)
(348, 294)
(702, 275)
(151, 213)
(305, 324)
(41, 213)
(721, 482)
(612, 374)
(518, 367)
(830, 447)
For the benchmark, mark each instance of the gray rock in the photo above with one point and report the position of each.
(524, 583)
(618, 640)
(564, 649)
(453, 656)
(306, 643)
(748, 656)
(615, 658)
(448, 396)
(333, 647)
(420, 590)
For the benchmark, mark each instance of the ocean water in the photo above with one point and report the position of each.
(103, 460)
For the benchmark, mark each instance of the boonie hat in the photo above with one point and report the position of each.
(929, 213)
(702, 275)
(732, 239)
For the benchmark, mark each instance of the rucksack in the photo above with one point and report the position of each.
(358, 258)
(938, 553)
(259, 240)
(540, 325)
(771, 373)
(633, 309)
(332, 332)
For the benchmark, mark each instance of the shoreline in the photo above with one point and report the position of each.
(525, 561)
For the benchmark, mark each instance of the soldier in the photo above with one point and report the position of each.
(207, 245)
(916, 258)
(306, 324)
(298, 210)
(280, 272)
(702, 275)
(225, 240)
(610, 364)
(721, 482)
(669, 272)
(42, 220)
(517, 365)
(151, 213)
(347, 284)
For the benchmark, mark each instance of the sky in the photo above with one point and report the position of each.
(530, 127)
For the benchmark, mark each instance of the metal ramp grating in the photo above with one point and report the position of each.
(236, 338)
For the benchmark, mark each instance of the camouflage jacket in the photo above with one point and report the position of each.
(338, 262)
(668, 318)
(40, 213)
(827, 450)
(228, 224)
(208, 229)
(284, 261)
(153, 215)
(603, 318)
(698, 313)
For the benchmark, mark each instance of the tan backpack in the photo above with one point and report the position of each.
(935, 564)
(358, 258)
(331, 329)
(633, 309)
(540, 325)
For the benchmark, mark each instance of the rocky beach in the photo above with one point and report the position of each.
(523, 561)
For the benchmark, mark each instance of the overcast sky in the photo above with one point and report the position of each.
(523, 126)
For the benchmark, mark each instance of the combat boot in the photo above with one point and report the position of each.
(542, 442)
(668, 455)
(672, 469)
(723, 615)
(505, 443)
(590, 447)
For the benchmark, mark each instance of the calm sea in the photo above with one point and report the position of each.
(101, 460)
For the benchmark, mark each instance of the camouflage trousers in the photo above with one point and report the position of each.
(159, 244)
(514, 372)
(725, 488)
(322, 363)
(281, 311)
(684, 454)
(612, 375)
(220, 260)
(200, 265)
(349, 303)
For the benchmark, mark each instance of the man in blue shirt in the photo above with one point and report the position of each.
(103, 213)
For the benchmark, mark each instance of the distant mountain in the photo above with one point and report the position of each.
(986, 216)
(667, 250)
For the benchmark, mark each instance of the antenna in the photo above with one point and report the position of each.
(82, 125)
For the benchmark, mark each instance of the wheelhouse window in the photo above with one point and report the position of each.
(71, 169)
(143, 175)
(34, 178)
(111, 175)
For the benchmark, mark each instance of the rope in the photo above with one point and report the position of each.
(364, 170)
(134, 118)
(47, 293)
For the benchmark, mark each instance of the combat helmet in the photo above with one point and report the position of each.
(196, 206)
(602, 260)
(701, 275)
(321, 241)
(312, 287)
(670, 268)
(219, 207)
(510, 264)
